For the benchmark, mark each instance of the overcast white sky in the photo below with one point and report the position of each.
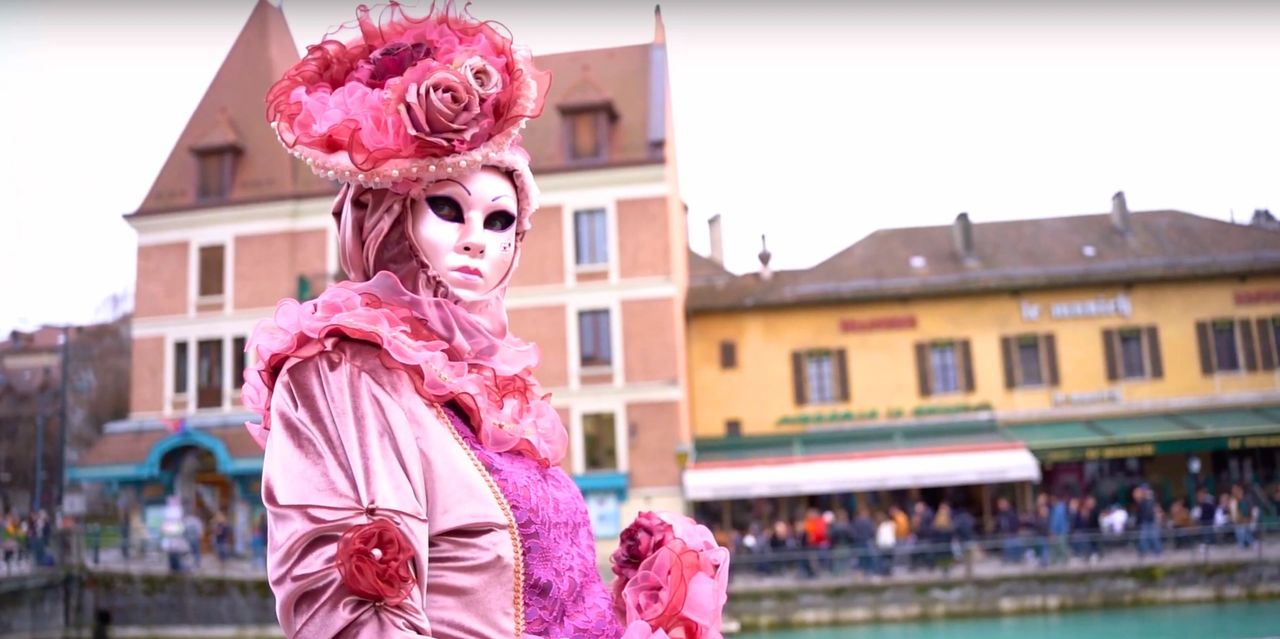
(814, 123)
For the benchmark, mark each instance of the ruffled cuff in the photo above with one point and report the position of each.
(672, 578)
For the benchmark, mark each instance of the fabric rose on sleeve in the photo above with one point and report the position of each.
(375, 561)
(671, 577)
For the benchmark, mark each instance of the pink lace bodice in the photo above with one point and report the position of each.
(564, 595)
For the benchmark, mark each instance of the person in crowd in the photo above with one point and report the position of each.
(125, 529)
(1085, 529)
(1203, 513)
(1222, 517)
(1008, 526)
(173, 540)
(1148, 521)
(966, 526)
(864, 541)
(1181, 524)
(921, 534)
(221, 538)
(193, 531)
(94, 534)
(1244, 516)
(886, 541)
(1039, 525)
(1059, 529)
(9, 541)
(943, 533)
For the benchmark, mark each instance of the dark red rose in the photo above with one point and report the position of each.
(388, 62)
(641, 539)
(376, 562)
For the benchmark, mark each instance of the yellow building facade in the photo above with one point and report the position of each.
(1069, 355)
(881, 361)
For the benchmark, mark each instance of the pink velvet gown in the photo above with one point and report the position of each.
(489, 538)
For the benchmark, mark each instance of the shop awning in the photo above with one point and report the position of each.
(991, 463)
(1145, 435)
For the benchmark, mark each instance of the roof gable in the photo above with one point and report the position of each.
(620, 79)
(230, 115)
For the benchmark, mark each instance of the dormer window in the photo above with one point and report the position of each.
(586, 131)
(215, 170)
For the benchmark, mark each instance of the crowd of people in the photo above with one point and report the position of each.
(1054, 530)
(35, 539)
(38, 539)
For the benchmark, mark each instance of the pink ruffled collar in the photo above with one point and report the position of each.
(449, 355)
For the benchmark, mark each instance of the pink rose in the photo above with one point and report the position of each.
(484, 78)
(638, 542)
(672, 592)
(440, 106)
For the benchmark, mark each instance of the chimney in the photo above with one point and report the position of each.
(1120, 213)
(1264, 219)
(962, 235)
(717, 240)
(765, 256)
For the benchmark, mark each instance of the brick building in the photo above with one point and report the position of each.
(232, 224)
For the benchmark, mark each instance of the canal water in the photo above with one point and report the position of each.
(1243, 620)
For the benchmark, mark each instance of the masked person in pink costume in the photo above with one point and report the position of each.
(411, 470)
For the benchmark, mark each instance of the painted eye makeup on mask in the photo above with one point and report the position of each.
(499, 220)
(445, 208)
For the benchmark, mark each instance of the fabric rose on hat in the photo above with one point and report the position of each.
(484, 78)
(375, 561)
(440, 106)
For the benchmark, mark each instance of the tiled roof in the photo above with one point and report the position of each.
(631, 80)
(1021, 254)
(132, 447)
(231, 113)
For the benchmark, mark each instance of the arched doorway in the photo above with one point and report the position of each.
(201, 488)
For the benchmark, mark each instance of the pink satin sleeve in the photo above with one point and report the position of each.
(341, 453)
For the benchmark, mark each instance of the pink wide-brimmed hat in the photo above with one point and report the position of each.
(408, 101)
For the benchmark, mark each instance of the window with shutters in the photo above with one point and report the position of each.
(1227, 345)
(944, 366)
(1132, 352)
(1030, 360)
(1269, 342)
(820, 376)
